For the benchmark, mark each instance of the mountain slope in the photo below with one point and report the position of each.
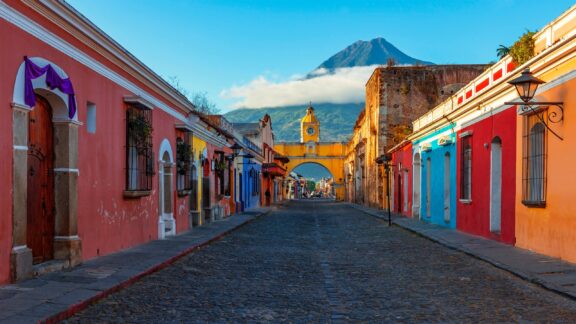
(336, 120)
(362, 53)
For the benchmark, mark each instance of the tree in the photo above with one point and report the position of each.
(310, 185)
(200, 99)
(502, 51)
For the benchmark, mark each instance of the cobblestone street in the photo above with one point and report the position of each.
(319, 261)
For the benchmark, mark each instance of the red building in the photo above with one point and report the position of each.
(401, 179)
(89, 140)
(490, 139)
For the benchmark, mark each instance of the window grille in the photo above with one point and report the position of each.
(139, 152)
(534, 160)
(466, 168)
(183, 163)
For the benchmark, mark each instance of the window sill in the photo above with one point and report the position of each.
(136, 193)
(184, 193)
(534, 204)
(465, 201)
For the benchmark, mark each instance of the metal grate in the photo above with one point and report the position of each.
(466, 168)
(184, 163)
(139, 151)
(534, 160)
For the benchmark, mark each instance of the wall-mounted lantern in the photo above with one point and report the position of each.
(526, 85)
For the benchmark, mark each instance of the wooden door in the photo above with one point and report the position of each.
(40, 201)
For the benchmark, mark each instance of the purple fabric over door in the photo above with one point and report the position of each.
(53, 81)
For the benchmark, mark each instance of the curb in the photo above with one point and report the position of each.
(517, 273)
(75, 308)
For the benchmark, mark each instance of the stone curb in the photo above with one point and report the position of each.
(526, 276)
(75, 308)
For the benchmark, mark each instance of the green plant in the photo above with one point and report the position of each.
(523, 48)
(502, 51)
(220, 165)
(140, 131)
(183, 157)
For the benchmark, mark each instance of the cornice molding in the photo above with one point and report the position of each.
(73, 22)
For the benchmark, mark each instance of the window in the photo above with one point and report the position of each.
(91, 118)
(466, 168)
(139, 152)
(534, 160)
(183, 163)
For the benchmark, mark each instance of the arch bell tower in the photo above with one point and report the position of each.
(309, 127)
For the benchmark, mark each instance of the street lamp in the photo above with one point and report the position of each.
(526, 85)
(236, 149)
(385, 159)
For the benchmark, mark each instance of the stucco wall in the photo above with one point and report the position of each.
(474, 217)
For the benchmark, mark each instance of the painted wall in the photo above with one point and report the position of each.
(107, 222)
(474, 216)
(250, 200)
(402, 168)
(550, 230)
(198, 147)
(437, 154)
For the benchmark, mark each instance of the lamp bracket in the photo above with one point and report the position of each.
(554, 116)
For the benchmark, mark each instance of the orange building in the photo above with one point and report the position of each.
(545, 192)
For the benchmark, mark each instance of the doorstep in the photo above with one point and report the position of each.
(55, 296)
(551, 273)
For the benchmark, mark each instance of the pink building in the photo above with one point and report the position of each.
(88, 136)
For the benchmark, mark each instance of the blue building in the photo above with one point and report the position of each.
(248, 171)
(434, 167)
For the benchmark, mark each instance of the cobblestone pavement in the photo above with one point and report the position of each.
(326, 262)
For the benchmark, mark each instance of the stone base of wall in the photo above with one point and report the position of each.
(68, 249)
(21, 263)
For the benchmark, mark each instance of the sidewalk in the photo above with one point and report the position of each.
(56, 296)
(551, 273)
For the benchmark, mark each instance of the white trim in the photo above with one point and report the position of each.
(19, 248)
(165, 147)
(20, 148)
(67, 238)
(69, 170)
(138, 101)
(20, 107)
(67, 121)
(16, 18)
(465, 134)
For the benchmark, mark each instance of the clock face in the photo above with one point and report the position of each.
(310, 130)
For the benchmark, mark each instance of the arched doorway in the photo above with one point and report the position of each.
(496, 185)
(40, 183)
(45, 172)
(166, 221)
(319, 180)
(416, 185)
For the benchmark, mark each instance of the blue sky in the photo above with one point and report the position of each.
(215, 46)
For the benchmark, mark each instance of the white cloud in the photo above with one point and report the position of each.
(344, 85)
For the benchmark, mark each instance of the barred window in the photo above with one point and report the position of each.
(534, 160)
(466, 168)
(183, 163)
(139, 152)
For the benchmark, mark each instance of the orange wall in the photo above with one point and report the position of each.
(552, 230)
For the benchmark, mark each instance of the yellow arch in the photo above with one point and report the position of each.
(329, 155)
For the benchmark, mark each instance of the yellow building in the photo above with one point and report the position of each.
(310, 150)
